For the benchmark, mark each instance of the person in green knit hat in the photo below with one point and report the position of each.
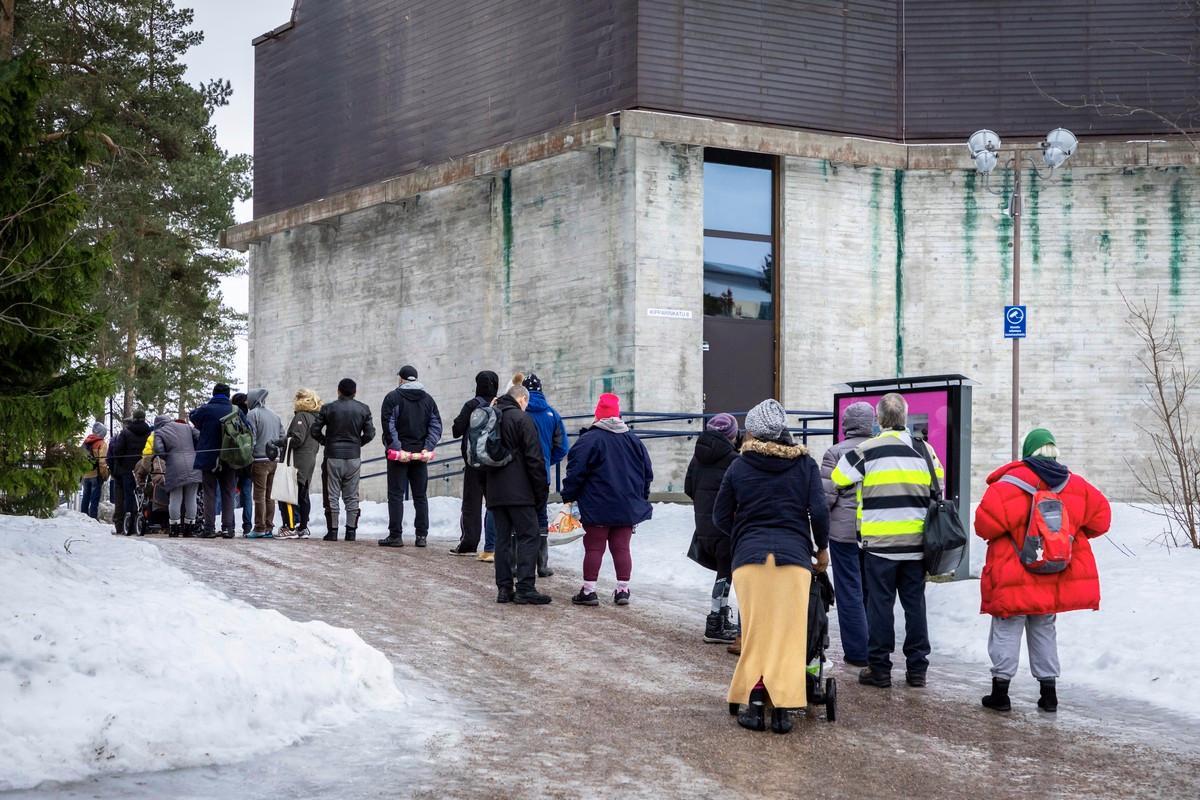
(1035, 572)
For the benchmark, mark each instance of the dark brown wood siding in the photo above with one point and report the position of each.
(360, 90)
(1003, 64)
(819, 64)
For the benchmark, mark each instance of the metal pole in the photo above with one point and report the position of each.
(1016, 343)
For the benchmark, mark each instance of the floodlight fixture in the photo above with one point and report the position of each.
(1060, 145)
(984, 145)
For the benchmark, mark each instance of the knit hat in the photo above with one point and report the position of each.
(408, 373)
(533, 383)
(767, 421)
(347, 387)
(724, 424)
(1036, 440)
(609, 406)
(100, 429)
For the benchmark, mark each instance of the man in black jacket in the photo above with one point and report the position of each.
(470, 521)
(123, 456)
(412, 428)
(514, 493)
(343, 427)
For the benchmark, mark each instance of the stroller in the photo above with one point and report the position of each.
(822, 691)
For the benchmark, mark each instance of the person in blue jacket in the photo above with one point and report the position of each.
(609, 475)
(552, 433)
(215, 476)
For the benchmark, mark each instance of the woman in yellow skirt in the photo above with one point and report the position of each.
(772, 505)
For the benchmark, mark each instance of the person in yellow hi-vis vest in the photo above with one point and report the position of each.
(895, 496)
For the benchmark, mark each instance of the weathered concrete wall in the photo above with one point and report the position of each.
(854, 310)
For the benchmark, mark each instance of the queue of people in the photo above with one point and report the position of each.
(768, 518)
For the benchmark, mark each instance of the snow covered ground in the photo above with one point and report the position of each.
(113, 661)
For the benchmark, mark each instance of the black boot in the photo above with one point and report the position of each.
(331, 528)
(351, 525)
(530, 597)
(998, 699)
(188, 530)
(731, 628)
(1048, 702)
(174, 530)
(392, 540)
(880, 680)
(504, 594)
(421, 540)
(781, 720)
(714, 629)
(351, 533)
(753, 717)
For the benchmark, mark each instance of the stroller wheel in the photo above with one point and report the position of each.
(733, 709)
(142, 523)
(831, 700)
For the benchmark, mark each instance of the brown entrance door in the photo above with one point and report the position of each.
(739, 363)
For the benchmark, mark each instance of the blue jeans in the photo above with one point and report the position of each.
(489, 533)
(851, 613)
(885, 580)
(92, 489)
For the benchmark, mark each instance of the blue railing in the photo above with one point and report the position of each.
(808, 424)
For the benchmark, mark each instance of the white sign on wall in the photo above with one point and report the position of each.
(669, 313)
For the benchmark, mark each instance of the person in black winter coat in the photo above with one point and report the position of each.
(412, 428)
(514, 491)
(470, 521)
(715, 451)
(343, 427)
(218, 480)
(123, 456)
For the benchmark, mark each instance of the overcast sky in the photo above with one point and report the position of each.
(229, 26)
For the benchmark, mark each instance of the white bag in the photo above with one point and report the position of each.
(286, 486)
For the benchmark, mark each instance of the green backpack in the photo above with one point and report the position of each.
(237, 443)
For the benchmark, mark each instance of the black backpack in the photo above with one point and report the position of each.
(484, 447)
(945, 536)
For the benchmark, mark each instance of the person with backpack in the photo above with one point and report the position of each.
(303, 449)
(243, 489)
(95, 448)
(470, 519)
(123, 456)
(608, 475)
(552, 433)
(897, 486)
(342, 427)
(1038, 519)
(175, 444)
(267, 430)
(710, 548)
(772, 506)
(217, 475)
(858, 420)
(515, 487)
(412, 428)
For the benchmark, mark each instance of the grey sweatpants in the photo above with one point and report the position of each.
(182, 502)
(1004, 645)
(341, 481)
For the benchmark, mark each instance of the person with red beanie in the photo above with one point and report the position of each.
(1020, 586)
(608, 475)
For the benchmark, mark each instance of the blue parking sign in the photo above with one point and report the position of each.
(1014, 322)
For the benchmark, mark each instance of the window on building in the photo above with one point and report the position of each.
(739, 246)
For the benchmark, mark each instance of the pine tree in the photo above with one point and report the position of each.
(49, 274)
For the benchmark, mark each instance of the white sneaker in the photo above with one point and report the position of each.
(287, 533)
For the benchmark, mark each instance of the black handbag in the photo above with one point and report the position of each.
(945, 536)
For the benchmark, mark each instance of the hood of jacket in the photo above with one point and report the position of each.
(256, 398)
(858, 420)
(611, 424)
(537, 402)
(487, 384)
(138, 427)
(773, 456)
(91, 440)
(712, 448)
(412, 391)
(506, 402)
(1048, 470)
(160, 420)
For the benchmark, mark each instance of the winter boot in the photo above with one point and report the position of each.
(998, 699)
(421, 539)
(753, 717)
(331, 528)
(781, 720)
(227, 533)
(209, 535)
(504, 594)
(915, 679)
(351, 534)
(331, 536)
(880, 680)
(1048, 702)
(736, 647)
(530, 597)
(714, 629)
(392, 540)
(189, 529)
(174, 530)
(486, 557)
(732, 629)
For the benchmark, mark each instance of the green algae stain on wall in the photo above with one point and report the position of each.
(1178, 219)
(1004, 231)
(506, 232)
(1105, 243)
(874, 218)
(1068, 205)
(898, 218)
(970, 224)
(1033, 220)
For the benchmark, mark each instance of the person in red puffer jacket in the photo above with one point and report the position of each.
(1020, 600)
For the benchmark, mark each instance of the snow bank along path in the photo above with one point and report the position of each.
(111, 660)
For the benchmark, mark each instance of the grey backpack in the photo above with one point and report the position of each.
(485, 449)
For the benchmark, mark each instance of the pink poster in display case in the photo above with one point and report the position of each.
(928, 416)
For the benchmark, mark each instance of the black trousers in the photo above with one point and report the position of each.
(885, 580)
(516, 530)
(297, 516)
(118, 504)
(470, 521)
(225, 481)
(414, 475)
